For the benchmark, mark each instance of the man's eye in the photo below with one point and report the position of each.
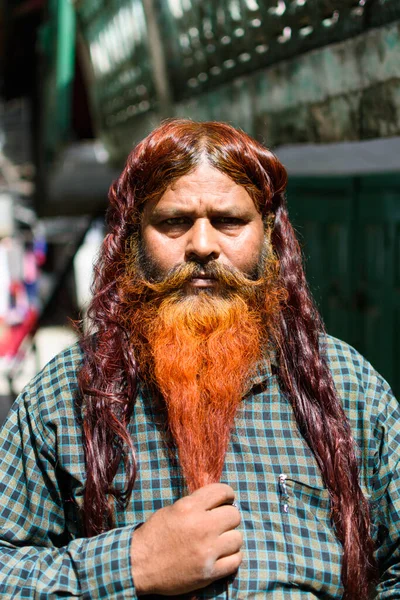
(228, 221)
(174, 221)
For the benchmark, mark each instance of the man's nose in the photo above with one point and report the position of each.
(202, 242)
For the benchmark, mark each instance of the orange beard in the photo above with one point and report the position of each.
(200, 350)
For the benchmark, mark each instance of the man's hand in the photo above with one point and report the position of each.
(189, 544)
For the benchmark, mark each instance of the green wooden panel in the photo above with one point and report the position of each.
(321, 209)
(377, 278)
(350, 232)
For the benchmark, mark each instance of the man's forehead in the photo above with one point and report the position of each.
(204, 176)
(206, 188)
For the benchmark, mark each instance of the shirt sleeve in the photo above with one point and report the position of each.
(385, 498)
(33, 562)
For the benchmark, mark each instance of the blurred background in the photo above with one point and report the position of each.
(81, 81)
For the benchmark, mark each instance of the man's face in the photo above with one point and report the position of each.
(203, 217)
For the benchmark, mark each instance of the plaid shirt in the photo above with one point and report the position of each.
(290, 548)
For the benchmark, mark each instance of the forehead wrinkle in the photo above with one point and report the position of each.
(184, 200)
(199, 191)
(210, 205)
(199, 176)
(203, 190)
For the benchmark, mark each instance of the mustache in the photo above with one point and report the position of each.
(227, 276)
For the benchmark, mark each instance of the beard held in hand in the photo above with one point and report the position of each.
(199, 332)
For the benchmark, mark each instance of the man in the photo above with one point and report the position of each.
(208, 438)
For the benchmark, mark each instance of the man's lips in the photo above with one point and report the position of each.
(203, 280)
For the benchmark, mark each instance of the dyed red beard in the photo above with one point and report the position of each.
(201, 350)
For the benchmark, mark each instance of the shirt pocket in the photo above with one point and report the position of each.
(314, 552)
(265, 565)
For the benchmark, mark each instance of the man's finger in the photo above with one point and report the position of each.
(225, 518)
(214, 494)
(227, 565)
(229, 543)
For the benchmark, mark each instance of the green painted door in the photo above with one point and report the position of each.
(376, 328)
(349, 228)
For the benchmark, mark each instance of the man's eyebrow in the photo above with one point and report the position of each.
(232, 211)
(169, 210)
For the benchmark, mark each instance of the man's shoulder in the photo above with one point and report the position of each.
(344, 360)
(359, 385)
(61, 371)
(55, 387)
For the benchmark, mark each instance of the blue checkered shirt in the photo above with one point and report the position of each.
(290, 548)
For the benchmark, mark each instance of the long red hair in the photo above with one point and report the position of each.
(108, 377)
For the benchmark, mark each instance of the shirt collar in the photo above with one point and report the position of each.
(265, 368)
